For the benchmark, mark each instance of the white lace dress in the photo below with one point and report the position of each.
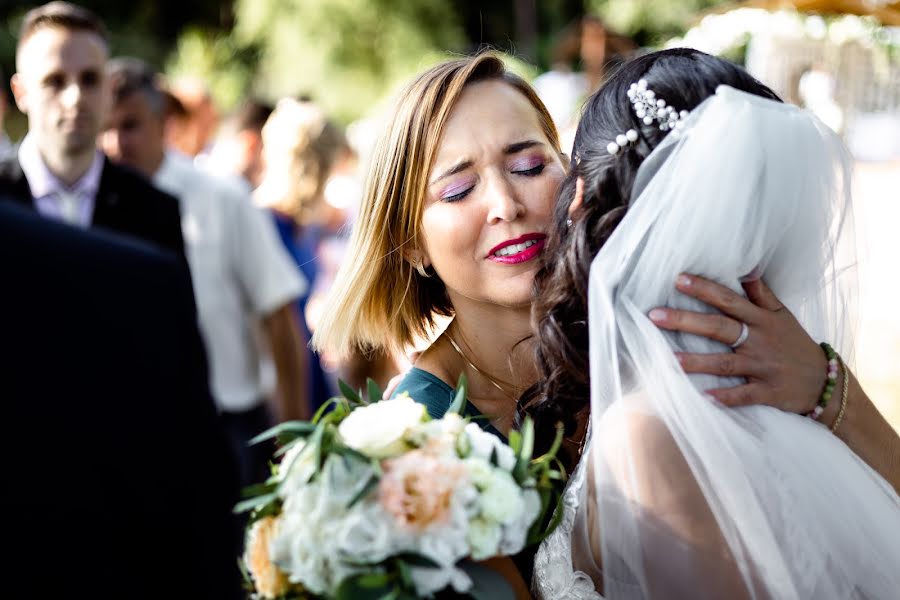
(555, 576)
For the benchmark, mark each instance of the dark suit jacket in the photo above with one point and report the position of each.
(126, 203)
(118, 480)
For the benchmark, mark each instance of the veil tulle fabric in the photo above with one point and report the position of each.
(696, 500)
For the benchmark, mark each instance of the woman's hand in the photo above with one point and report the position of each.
(784, 367)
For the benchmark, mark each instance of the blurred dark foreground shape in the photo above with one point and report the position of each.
(118, 482)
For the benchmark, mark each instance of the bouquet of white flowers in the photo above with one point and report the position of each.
(378, 500)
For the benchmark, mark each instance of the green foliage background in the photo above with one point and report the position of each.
(347, 54)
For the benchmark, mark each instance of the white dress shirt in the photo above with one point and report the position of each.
(241, 272)
(73, 204)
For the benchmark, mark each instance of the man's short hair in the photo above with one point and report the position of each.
(63, 15)
(130, 76)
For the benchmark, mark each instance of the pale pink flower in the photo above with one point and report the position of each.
(417, 488)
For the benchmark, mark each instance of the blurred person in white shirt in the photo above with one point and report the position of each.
(242, 275)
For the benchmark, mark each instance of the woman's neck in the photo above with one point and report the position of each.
(485, 342)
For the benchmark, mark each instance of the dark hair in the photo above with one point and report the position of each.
(64, 15)
(684, 78)
(131, 76)
(251, 115)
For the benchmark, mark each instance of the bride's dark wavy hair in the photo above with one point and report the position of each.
(684, 78)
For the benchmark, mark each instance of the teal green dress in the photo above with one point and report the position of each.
(437, 396)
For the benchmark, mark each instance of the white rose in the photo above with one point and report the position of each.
(484, 538)
(378, 430)
(296, 468)
(515, 533)
(502, 500)
(481, 473)
(483, 446)
(366, 534)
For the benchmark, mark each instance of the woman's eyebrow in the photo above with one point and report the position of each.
(519, 146)
(460, 166)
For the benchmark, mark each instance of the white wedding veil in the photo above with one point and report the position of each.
(694, 499)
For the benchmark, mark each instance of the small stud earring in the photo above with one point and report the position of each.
(569, 223)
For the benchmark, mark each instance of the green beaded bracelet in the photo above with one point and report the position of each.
(830, 381)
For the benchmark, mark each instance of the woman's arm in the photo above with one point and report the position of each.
(784, 367)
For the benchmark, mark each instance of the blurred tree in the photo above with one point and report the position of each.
(650, 22)
(345, 54)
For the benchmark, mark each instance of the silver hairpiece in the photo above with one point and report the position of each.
(648, 108)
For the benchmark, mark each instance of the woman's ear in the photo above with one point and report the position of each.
(416, 257)
(579, 196)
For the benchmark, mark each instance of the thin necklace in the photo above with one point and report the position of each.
(476, 369)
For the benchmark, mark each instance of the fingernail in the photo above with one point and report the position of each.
(657, 314)
(684, 281)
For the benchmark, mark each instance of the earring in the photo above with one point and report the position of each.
(569, 223)
(420, 268)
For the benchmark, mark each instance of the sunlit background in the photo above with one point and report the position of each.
(839, 58)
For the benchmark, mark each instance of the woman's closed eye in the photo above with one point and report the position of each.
(457, 191)
(529, 167)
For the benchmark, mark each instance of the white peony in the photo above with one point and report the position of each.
(483, 445)
(484, 538)
(502, 501)
(379, 430)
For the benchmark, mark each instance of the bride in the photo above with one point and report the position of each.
(684, 163)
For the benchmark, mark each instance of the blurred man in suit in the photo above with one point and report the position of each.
(61, 85)
(119, 478)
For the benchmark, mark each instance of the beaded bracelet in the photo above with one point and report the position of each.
(830, 381)
(846, 387)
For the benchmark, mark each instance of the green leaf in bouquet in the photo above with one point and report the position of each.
(258, 489)
(418, 560)
(542, 463)
(254, 503)
(458, 405)
(405, 573)
(515, 441)
(331, 402)
(368, 586)
(538, 531)
(290, 428)
(349, 393)
(487, 584)
(374, 390)
(370, 485)
(523, 459)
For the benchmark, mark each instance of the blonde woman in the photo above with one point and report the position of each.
(300, 148)
(453, 221)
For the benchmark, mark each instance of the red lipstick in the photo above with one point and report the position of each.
(518, 250)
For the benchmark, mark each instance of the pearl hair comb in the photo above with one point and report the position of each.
(648, 109)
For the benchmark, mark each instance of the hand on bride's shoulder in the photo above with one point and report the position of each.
(784, 367)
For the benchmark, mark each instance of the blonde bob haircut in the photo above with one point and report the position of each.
(378, 301)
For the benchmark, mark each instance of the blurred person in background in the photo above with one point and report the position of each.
(302, 148)
(237, 150)
(61, 85)
(243, 277)
(189, 131)
(597, 51)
